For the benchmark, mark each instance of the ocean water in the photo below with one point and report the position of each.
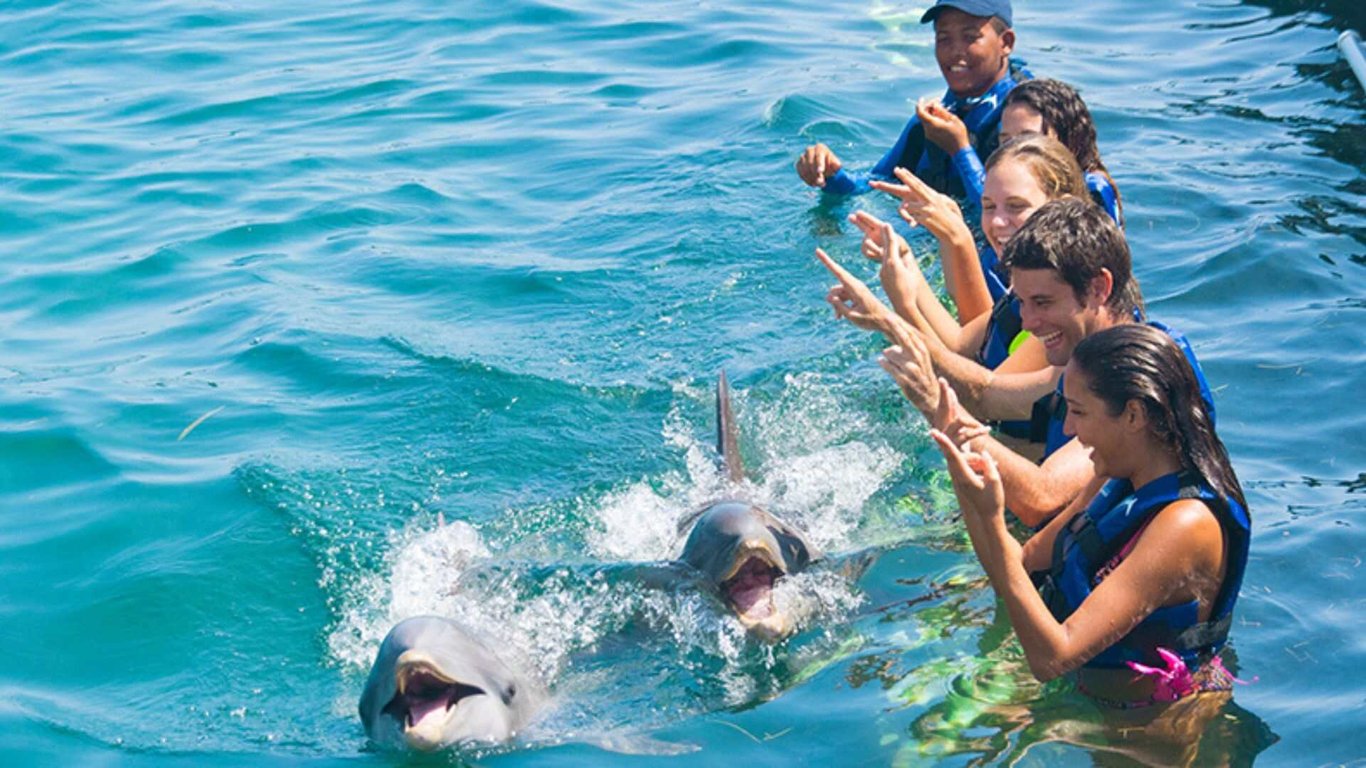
(319, 315)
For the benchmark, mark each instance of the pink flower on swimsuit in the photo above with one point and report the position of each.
(1171, 683)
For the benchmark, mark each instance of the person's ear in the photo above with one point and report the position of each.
(1134, 417)
(1101, 286)
(1007, 41)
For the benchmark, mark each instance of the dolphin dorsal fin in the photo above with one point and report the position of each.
(727, 445)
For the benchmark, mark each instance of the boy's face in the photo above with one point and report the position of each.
(971, 53)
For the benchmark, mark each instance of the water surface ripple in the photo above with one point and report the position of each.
(286, 286)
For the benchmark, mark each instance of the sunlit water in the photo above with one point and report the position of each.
(287, 288)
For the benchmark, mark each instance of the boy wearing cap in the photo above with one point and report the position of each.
(943, 143)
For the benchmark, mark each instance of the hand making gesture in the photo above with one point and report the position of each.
(942, 127)
(922, 206)
(817, 164)
(911, 366)
(853, 300)
(976, 479)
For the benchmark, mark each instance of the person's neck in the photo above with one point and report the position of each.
(1107, 318)
(1159, 462)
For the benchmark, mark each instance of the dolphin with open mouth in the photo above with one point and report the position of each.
(742, 550)
(435, 684)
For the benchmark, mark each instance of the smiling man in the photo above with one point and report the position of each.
(944, 142)
(1070, 266)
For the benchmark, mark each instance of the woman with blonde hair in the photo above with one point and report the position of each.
(1021, 176)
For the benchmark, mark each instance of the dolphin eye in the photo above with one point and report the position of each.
(509, 693)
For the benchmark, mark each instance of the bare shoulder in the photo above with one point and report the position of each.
(1191, 525)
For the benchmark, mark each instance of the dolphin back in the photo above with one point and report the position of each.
(727, 439)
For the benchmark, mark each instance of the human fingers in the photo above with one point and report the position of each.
(957, 461)
(888, 240)
(966, 434)
(837, 299)
(887, 361)
(991, 480)
(915, 188)
(947, 392)
(872, 250)
(898, 191)
(806, 166)
(865, 221)
(839, 272)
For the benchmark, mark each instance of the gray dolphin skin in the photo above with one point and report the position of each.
(435, 685)
(741, 549)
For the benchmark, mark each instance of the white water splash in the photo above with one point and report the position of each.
(814, 461)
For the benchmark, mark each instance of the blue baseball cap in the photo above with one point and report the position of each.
(984, 8)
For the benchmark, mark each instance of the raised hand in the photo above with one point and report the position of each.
(942, 127)
(853, 300)
(871, 226)
(976, 479)
(911, 367)
(952, 418)
(817, 164)
(922, 206)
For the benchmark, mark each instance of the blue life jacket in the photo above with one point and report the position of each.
(1051, 410)
(998, 282)
(1100, 531)
(1105, 195)
(982, 117)
(1004, 331)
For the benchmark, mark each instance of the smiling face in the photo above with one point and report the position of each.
(1010, 196)
(971, 53)
(1089, 419)
(1050, 310)
(1021, 118)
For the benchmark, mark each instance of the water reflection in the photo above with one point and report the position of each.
(987, 709)
(1341, 14)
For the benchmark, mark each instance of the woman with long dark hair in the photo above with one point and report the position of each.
(1141, 573)
(1054, 108)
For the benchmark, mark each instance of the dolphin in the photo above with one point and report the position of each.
(742, 550)
(435, 684)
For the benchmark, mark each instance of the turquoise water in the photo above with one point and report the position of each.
(285, 287)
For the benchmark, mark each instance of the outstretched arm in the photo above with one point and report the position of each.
(1037, 492)
(987, 394)
(941, 216)
(907, 289)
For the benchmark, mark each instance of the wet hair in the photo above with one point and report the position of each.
(1076, 239)
(1134, 361)
(1048, 161)
(1064, 115)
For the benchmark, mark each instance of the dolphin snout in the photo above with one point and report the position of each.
(424, 698)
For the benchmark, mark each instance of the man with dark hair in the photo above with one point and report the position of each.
(1070, 267)
(944, 142)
